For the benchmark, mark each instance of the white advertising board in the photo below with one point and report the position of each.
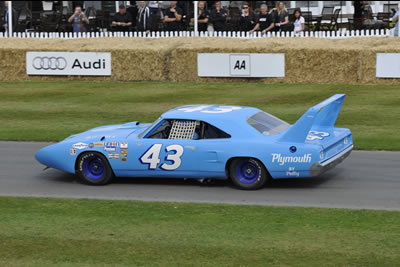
(240, 65)
(388, 65)
(68, 63)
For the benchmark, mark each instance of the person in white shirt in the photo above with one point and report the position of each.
(298, 23)
(395, 19)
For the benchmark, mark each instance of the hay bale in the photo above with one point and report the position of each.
(307, 59)
(349, 61)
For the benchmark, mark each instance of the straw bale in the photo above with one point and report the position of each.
(349, 61)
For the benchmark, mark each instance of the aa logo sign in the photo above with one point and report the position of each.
(257, 65)
(240, 65)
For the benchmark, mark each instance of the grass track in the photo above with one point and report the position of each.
(64, 232)
(51, 111)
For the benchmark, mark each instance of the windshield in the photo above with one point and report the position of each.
(148, 128)
(267, 124)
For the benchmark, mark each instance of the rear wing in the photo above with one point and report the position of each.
(322, 115)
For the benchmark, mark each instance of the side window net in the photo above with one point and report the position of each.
(182, 129)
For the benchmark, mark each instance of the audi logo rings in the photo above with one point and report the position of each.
(49, 63)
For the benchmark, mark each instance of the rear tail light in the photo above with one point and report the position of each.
(321, 155)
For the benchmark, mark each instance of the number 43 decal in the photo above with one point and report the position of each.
(152, 157)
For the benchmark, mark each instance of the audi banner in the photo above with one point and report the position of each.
(68, 63)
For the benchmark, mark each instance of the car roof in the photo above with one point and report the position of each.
(211, 113)
(230, 119)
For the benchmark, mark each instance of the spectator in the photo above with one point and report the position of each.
(78, 20)
(281, 16)
(143, 19)
(218, 17)
(155, 14)
(247, 20)
(358, 14)
(265, 21)
(14, 17)
(172, 17)
(154, 7)
(298, 23)
(122, 20)
(395, 19)
(202, 18)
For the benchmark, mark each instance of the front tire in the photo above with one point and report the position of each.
(248, 173)
(94, 169)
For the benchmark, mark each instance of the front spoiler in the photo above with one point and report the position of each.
(321, 167)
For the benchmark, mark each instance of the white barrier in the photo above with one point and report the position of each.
(316, 34)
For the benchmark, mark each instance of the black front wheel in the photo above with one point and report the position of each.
(94, 169)
(248, 173)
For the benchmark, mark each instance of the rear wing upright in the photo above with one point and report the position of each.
(322, 115)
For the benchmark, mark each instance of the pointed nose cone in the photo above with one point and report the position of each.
(44, 156)
(48, 156)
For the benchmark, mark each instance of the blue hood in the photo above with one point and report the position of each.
(119, 131)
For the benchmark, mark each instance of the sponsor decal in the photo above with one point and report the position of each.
(91, 145)
(124, 153)
(98, 144)
(111, 144)
(124, 159)
(292, 173)
(80, 145)
(72, 151)
(277, 157)
(109, 148)
(315, 135)
(123, 145)
(113, 155)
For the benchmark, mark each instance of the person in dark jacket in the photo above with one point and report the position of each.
(202, 17)
(280, 16)
(265, 21)
(173, 17)
(247, 20)
(218, 17)
(122, 20)
(143, 18)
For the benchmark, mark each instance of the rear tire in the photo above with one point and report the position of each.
(248, 173)
(94, 169)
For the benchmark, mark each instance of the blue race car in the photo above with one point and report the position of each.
(243, 144)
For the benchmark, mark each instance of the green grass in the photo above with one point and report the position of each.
(51, 111)
(64, 232)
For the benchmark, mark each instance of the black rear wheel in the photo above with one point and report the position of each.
(94, 169)
(248, 173)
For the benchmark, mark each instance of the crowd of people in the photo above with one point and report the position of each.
(268, 16)
(267, 19)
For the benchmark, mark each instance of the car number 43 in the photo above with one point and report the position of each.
(152, 157)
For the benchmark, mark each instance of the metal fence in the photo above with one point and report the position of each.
(341, 34)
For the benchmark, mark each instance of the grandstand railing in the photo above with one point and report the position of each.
(317, 34)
